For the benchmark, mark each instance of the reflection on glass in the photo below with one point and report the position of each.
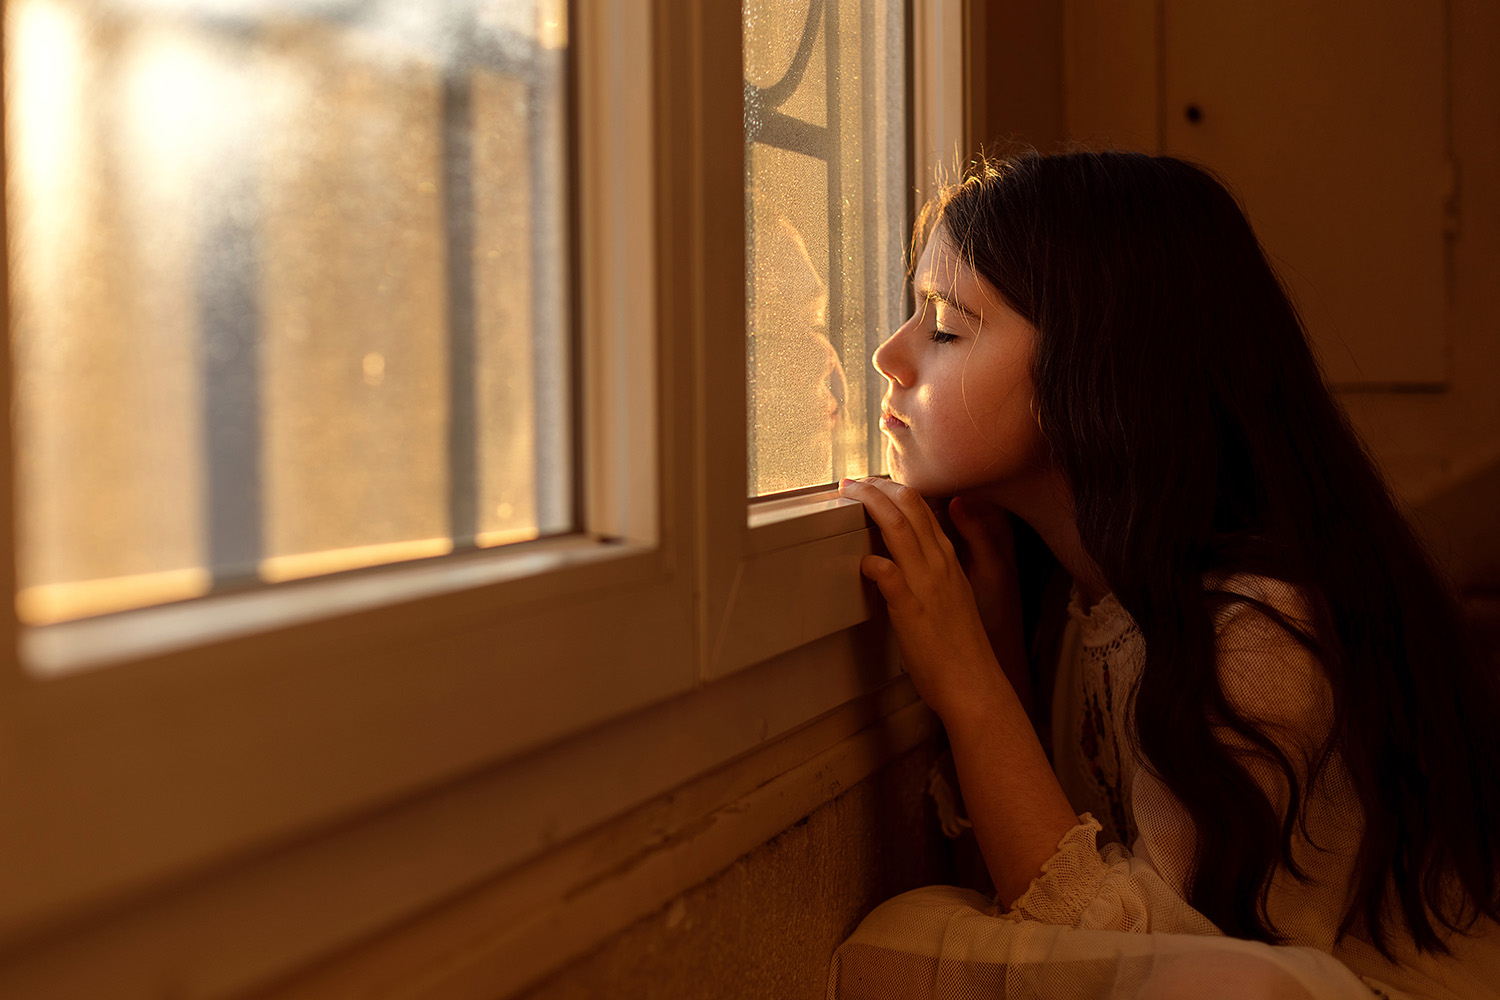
(287, 289)
(826, 203)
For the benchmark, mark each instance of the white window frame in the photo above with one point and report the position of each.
(160, 750)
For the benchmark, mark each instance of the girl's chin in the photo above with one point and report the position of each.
(935, 485)
(925, 481)
(925, 485)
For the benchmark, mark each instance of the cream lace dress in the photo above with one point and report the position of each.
(1106, 921)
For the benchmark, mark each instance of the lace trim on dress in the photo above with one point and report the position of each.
(1069, 881)
(1105, 624)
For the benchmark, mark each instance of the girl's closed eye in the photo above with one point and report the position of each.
(943, 337)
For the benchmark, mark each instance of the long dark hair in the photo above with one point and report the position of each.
(1176, 388)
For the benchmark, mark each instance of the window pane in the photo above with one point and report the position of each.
(288, 289)
(825, 216)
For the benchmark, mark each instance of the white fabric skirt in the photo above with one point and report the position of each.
(946, 942)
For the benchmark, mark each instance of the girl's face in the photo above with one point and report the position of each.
(957, 414)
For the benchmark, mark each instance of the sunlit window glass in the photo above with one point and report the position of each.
(288, 289)
(825, 209)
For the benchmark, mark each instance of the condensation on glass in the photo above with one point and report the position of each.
(288, 289)
(826, 203)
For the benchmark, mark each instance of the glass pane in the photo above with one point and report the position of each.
(288, 289)
(825, 216)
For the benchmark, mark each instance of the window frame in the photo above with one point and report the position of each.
(653, 617)
(787, 572)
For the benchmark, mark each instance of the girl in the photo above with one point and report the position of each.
(1276, 750)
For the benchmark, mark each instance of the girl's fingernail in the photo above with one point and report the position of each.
(844, 482)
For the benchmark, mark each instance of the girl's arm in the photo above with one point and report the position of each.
(1018, 809)
(1014, 801)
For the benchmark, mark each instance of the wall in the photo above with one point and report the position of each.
(767, 926)
(1431, 443)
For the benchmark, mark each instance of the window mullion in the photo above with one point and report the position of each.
(701, 150)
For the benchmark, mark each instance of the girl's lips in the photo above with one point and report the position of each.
(891, 422)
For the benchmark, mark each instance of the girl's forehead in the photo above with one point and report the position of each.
(940, 261)
(942, 269)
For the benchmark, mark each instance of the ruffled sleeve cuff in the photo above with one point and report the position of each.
(1070, 880)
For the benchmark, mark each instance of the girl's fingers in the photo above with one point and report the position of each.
(902, 516)
(889, 578)
(913, 508)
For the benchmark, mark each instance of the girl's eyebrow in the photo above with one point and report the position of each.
(946, 299)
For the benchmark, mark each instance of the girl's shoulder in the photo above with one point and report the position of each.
(1253, 601)
(1266, 668)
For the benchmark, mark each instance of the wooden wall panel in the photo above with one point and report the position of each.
(1331, 126)
(1111, 77)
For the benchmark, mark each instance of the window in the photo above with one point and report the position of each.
(826, 210)
(228, 724)
(290, 290)
(243, 745)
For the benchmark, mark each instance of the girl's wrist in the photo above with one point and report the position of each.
(980, 706)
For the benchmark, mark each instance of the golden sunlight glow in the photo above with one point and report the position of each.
(505, 536)
(176, 91)
(48, 604)
(44, 80)
(551, 24)
(304, 564)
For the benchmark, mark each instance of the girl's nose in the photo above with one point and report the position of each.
(890, 360)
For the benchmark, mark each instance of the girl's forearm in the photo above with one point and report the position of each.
(1014, 801)
(1010, 651)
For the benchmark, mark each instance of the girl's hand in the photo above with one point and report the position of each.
(932, 606)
